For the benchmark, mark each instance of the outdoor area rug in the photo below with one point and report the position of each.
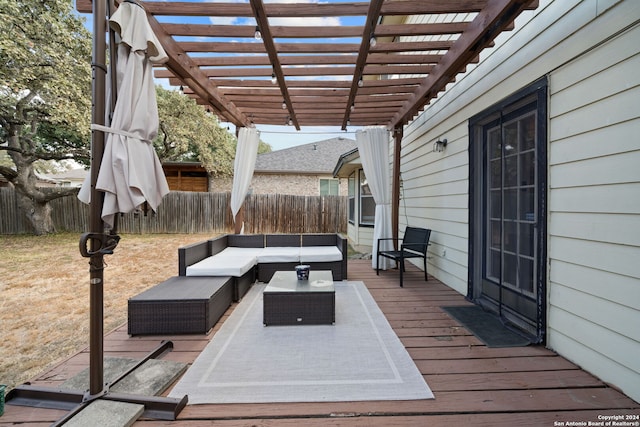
(358, 358)
(486, 327)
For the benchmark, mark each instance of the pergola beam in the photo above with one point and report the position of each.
(263, 25)
(373, 15)
(497, 15)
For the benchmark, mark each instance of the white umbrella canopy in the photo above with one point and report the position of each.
(130, 172)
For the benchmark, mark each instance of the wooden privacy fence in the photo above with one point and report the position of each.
(191, 212)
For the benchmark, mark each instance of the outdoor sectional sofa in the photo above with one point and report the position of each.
(214, 273)
(247, 258)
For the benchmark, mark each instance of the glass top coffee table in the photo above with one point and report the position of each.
(289, 301)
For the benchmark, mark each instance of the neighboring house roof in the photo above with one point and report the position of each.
(314, 158)
(347, 163)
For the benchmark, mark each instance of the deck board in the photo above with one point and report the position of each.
(473, 384)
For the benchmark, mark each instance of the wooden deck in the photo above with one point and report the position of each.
(473, 384)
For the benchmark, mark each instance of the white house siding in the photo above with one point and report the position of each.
(592, 64)
(594, 211)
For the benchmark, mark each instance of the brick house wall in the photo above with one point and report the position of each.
(295, 184)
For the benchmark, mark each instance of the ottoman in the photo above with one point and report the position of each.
(180, 305)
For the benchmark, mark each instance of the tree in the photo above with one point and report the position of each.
(45, 96)
(189, 133)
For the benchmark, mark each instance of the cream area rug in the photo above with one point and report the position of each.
(358, 358)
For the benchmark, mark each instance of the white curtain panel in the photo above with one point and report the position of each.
(243, 166)
(373, 147)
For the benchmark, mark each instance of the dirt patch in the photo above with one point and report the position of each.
(44, 293)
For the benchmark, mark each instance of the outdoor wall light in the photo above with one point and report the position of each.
(257, 34)
(439, 145)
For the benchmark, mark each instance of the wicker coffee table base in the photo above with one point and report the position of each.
(300, 307)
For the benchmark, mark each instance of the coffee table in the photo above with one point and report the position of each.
(289, 301)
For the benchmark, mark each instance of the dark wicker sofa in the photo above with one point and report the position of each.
(248, 258)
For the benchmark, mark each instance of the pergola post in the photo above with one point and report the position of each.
(395, 188)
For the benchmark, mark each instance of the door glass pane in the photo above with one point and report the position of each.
(496, 204)
(510, 204)
(511, 171)
(495, 173)
(527, 201)
(511, 137)
(527, 168)
(525, 275)
(509, 269)
(526, 239)
(493, 267)
(495, 237)
(511, 237)
(495, 146)
(528, 125)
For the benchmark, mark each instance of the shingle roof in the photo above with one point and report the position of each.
(316, 157)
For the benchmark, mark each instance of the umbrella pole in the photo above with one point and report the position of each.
(96, 225)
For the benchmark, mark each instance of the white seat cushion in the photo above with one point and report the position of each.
(320, 254)
(221, 265)
(240, 252)
(279, 254)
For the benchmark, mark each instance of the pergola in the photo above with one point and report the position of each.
(292, 63)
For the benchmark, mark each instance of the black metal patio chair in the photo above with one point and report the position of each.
(414, 244)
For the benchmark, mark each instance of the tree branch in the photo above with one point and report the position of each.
(8, 173)
(57, 192)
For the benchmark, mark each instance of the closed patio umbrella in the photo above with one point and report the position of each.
(130, 171)
(126, 169)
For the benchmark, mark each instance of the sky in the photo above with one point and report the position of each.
(279, 137)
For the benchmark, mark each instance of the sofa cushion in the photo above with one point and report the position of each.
(233, 251)
(222, 265)
(279, 254)
(320, 254)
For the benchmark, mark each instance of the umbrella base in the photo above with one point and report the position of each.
(161, 408)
